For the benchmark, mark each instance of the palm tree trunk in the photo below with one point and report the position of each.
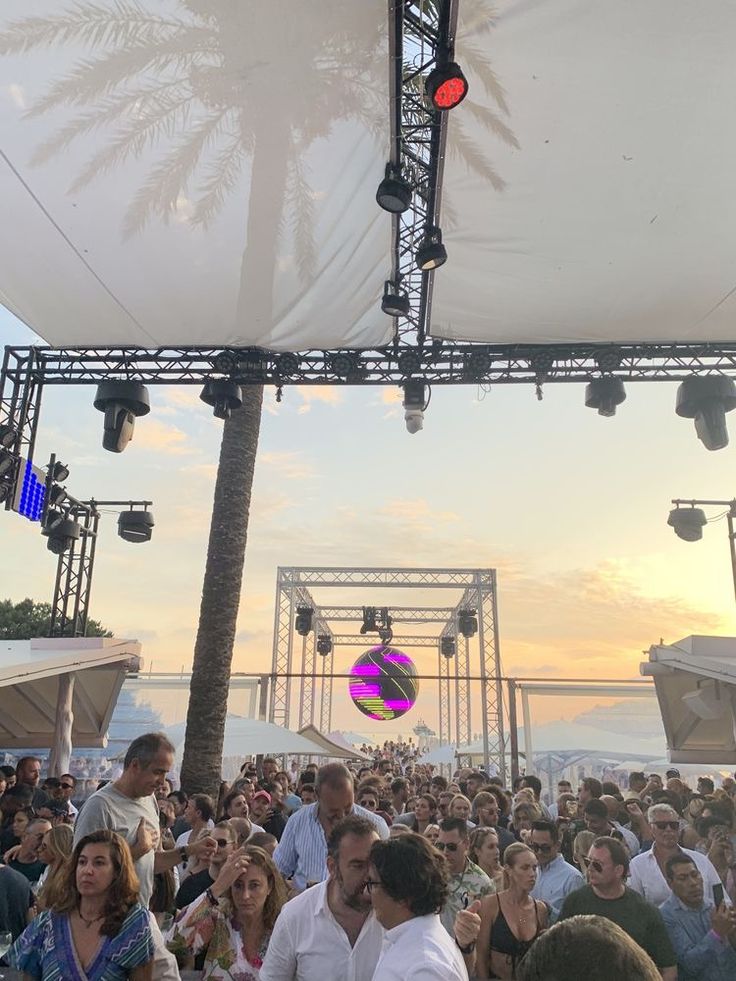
(218, 615)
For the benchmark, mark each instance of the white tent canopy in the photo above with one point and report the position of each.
(56, 693)
(695, 681)
(588, 191)
(249, 737)
(195, 174)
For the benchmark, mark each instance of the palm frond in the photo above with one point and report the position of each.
(132, 139)
(300, 204)
(92, 79)
(169, 178)
(90, 24)
(490, 121)
(220, 180)
(470, 153)
(476, 62)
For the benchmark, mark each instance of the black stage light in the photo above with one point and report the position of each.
(467, 623)
(122, 402)
(344, 364)
(287, 364)
(707, 399)
(476, 364)
(604, 394)
(688, 523)
(60, 473)
(447, 647)
(303, 622)
(61, 531)
(431, 253)
(394, 193)
(7, 436)
(324, 645)
(135, 526)
(57, 495)
(7, 462)
(414, 402)
(394, 302)
(224, 363)
(409, 362)
(446, 86)
(223, 395)
(369, 620)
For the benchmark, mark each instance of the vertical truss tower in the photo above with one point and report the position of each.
(303, 693)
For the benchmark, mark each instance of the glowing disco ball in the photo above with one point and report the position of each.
(384, 683)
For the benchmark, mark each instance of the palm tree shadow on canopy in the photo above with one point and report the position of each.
(201, 94)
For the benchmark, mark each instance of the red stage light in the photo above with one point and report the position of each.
(446, 86)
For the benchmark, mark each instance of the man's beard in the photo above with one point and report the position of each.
(356, 900)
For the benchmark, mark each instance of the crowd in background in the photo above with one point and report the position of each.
(370, 872)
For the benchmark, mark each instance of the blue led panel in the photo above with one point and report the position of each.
(30, 491)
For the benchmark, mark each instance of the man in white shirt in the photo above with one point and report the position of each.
(408, 883)
(646, 870)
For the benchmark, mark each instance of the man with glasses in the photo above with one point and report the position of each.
(556, 878)
(606, 895)
(407, 881)
(468, 881)
(26, 860)
(648, 876)
(704, 937)
(67, 787)
(199, 882)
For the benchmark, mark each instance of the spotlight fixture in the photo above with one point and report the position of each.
(394, 302)
(344, 364)
(7, 436)
(7, 462)
(223, 395)
(608, 358)
(707, 399)
(448, 647)
(61, 531)
(57, 495)
(446, 86)
(224, 363)
(688, 523)
(414, 404)
(604, 394)
(60, 473)
(324, 645)
(122, 402)
(135, 526)
(386, 633)
(409, 362)
(287, 364)
(467, 623)
(394, 193)
(431, 253)
(476, 364)
(369, 625)
(303, 622)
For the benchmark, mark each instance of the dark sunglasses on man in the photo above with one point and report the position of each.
(541, 849)
(450, 846)
(667, 825)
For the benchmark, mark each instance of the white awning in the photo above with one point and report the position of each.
(29, 688)
(695, 681)
(195, 174)
(588, 192)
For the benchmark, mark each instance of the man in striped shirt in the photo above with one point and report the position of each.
(301, 855)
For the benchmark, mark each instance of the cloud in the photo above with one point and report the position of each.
(17, 95)
(309, 394)
(290, 465)
(151, 434)
(416, 510)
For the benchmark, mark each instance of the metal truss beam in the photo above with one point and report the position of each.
(371, 576)
(399, 614)
(360, 640)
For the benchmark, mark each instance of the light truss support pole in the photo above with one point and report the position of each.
(490, 671)
(306, 690)
(462, 692)
(282, 654)
(73, 586)
(325, 711)
(20, 408)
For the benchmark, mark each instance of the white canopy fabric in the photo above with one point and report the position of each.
(248, 737)
(30, 678)
(695, 681)
(174, 173)
(588, 190)
(570, 737)
(335, 747)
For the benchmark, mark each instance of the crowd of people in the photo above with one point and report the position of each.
(377, 872)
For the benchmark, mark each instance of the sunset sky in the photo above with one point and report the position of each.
(570, 508)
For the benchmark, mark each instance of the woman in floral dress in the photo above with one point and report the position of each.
(232, 921)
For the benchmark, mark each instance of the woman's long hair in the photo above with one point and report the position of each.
(59, 841)
(123, 892)
(278, 893)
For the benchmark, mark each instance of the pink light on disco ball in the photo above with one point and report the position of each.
(384, 683)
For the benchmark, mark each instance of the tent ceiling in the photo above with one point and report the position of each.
(603, 127)
(195, 173)
(29, 691)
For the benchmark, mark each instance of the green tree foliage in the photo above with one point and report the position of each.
(26, 619)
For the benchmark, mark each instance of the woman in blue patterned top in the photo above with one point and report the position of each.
(96, 929)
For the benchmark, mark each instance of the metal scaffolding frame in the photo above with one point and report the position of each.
(294, 589)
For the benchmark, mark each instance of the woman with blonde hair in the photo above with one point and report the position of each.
(233, 919)
(486, 853)
(56, 847)
(580, 849)
(96, 929)
(510, 921)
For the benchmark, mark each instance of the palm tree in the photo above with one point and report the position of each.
(208, 84)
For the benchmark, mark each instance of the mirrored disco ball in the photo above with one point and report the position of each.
(383, 683)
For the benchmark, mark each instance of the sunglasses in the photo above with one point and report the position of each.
(667, 825)
(594, 864)
(370, 884)
(66, 786)
(543, 849)
(222, 842)
(450, 846)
